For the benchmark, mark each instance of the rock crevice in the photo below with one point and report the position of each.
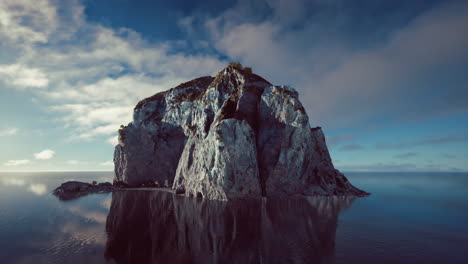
(232, 136)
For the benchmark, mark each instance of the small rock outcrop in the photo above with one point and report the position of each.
(232, 136)
(74, 189)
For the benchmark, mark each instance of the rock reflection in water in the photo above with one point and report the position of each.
(159, 227)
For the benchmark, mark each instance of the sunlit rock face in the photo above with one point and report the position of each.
(158, 227)
(232, 136)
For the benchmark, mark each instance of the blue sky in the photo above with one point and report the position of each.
(387, 80)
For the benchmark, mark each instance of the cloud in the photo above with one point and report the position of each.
(73, 162)
(38, 189)
(45, 154)
(11, 163)
(8, 132)
(94, 119)
(93, 75)
(100, 130)
(27, 20)
(396, 167)
(449, 156)
(113, 140)
(107, 163)
(76, 162)
(424, 142)
(351, 147)
(121, 89)
(95, 116)
(318, 52)
(406, 155)
(22, 76)
(379, 167)
(338, 139)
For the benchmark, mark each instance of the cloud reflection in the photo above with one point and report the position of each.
(13, 181)
(89, 215)
(38, 189)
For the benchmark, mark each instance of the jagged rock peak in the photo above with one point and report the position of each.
(232, 136)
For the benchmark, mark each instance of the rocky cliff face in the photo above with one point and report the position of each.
(232, 136)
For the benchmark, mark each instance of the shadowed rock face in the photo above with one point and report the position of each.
(232, 136)
(159, 227)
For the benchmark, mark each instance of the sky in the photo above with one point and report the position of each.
(386, 80)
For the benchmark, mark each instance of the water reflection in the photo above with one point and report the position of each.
(13, 181)
(36, 188)
(158, 227)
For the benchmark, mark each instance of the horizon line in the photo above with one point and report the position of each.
(340, 171)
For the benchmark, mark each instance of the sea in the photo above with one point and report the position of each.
(408, 218)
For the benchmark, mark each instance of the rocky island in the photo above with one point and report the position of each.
(234, 135)
(74, 189)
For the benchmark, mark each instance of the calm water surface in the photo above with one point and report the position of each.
(409, 218)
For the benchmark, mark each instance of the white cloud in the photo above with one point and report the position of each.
(94, 82)
(76, 162)
(113, 140)
(45, 154)
(94, 119)
(27, 20)
(8, 132)
(22, 76)
(96, 114)
(16, 162)
(38, 189)
(107, 163)
(124, 89)
(100, 130)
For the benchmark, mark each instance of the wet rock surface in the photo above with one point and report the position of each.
(232, 136)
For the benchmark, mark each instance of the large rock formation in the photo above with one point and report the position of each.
(232, 136)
